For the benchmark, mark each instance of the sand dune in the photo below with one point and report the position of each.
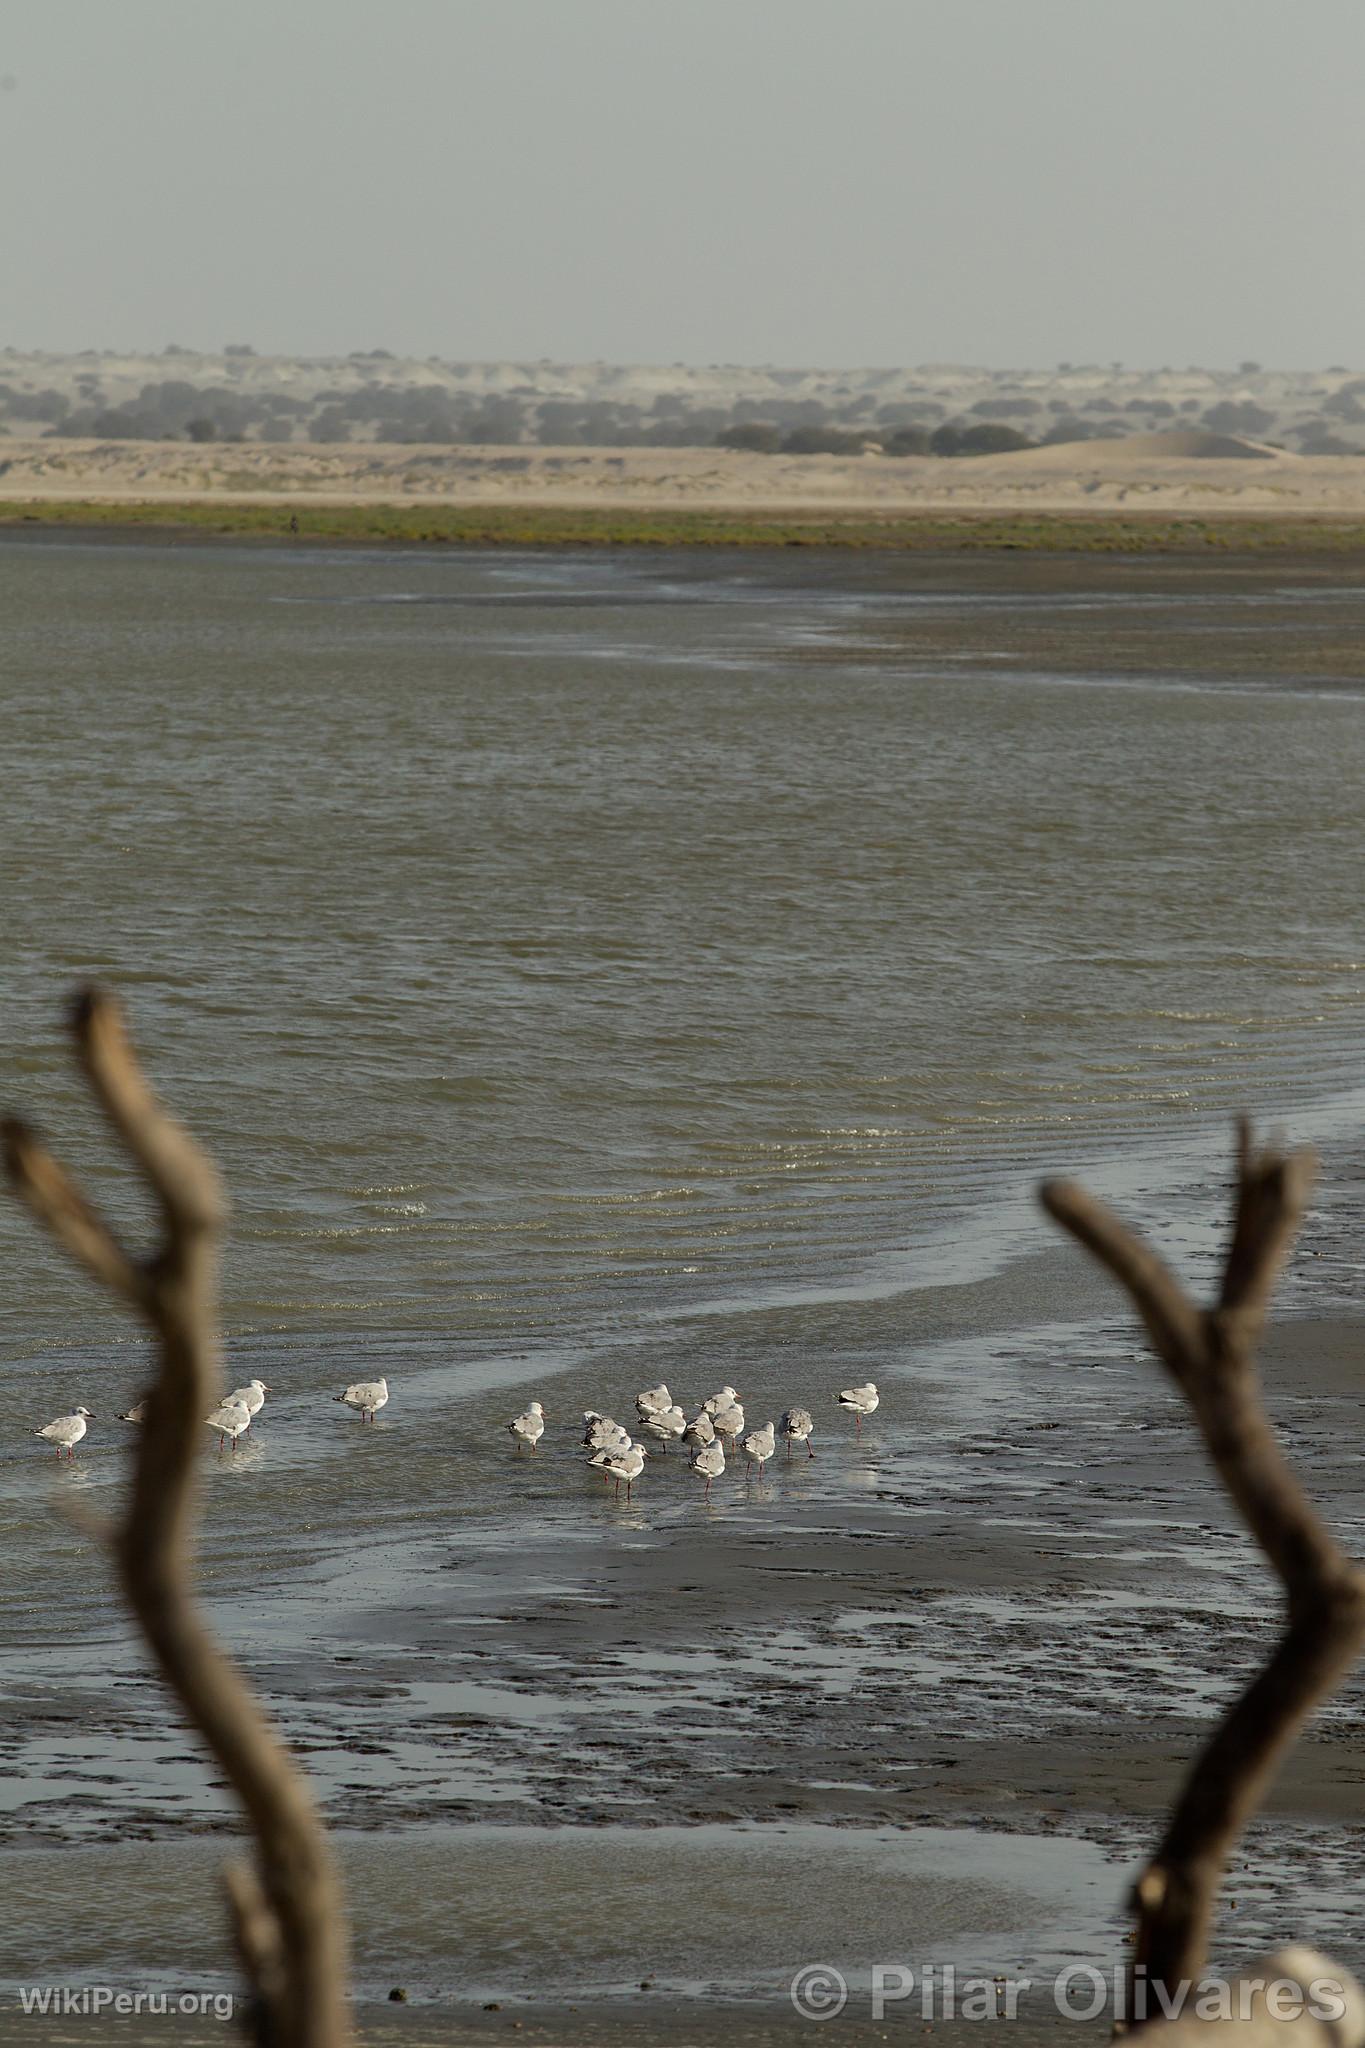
(1190, 471)
(1177, 444)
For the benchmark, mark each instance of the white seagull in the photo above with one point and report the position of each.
(859, 1401)
(729, 1422)
(797, 1428)
(628, 1466)
(665, 1424)
(252, 1397)
(229, 1419)
(67, 1431)
(528, 1428)
(368, 1396)
(138, 1413)
(700, 1430)
(604, 1433)
(653, 1401)
(726, 1398)
(610, 1447)
(758, 1447)
(709, 1460)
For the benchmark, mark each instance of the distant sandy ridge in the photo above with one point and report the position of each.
(1182, 472)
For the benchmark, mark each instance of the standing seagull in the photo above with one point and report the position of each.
(609, 1449)
(797, 1428)
(628, 1466)
(758, 1447)
(252, 1397)
(664, 1424)
(604, 1440)
(709, 1460)
(700, 1430)
(603, 1434)
(729, 1423)
(653, 1401)
(67, 1431)
(230, 1419)
(369, 1396)
(859, 1401)
(528, 1428)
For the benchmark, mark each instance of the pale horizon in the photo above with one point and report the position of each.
(158, 352)
(882, 183)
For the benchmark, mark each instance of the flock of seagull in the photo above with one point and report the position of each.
(611, 1449)
(231, 1418)
(718, 1422)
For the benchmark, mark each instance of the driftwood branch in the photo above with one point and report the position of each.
(287, 1911)
(52, 1195)
(1210, 1353)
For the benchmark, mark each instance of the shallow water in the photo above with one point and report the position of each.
(596, 969)
(547, 943)
(602, 1906)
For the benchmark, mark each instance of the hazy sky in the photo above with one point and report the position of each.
(796, 181)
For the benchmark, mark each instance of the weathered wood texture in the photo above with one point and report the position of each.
(1210, 1354)
(286, 1911)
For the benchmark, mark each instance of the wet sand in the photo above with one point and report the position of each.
(635, 2023)
(947, 1725)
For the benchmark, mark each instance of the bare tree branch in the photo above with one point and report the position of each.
(181, 1177)
(1171, 1318)
(1272, 1191)
(256, 1932)
(287, 1917)
(1210, 1355)
(55, 1200)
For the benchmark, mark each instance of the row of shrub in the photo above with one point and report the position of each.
(176, 409)
(986, 437)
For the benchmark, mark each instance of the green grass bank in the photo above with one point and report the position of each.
(553, 527)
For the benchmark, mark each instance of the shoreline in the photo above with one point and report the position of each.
(1173, 493)
(284, 521)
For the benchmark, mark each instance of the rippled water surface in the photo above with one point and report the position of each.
(540, 942)
(592, 968)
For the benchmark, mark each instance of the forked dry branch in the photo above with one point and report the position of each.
(287, 1911)
(1210, 1354)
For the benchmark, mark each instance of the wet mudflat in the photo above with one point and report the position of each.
(890, 1651)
